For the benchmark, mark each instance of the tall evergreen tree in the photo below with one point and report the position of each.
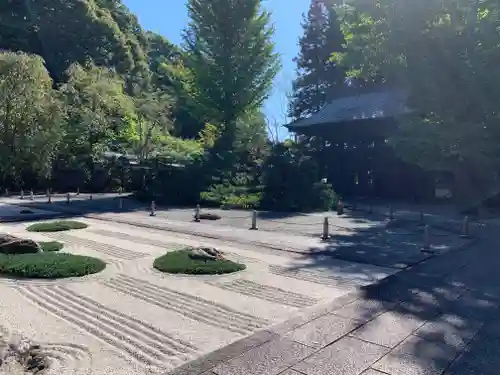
(231, 56)
(318, 79)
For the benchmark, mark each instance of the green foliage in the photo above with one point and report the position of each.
(181, 262)
(56, 226)
(51, 246)
(318, 77)
(445, 55)
(230, 54)
(49, 265)
(228, 196)
(30, 117)
(292, 182)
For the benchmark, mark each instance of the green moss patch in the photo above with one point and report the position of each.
(49, 265)
(51, 246)
(181, 262)
(56, 226)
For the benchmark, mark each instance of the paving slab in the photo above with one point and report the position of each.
(388, 329)
(268, 359)
(482, 358)
(417, 356)
(364, 310)
(323, 331)
(451, 330)
(348, 356)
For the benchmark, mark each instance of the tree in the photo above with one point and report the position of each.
(444, 54)
(231, 56)
(96, 109)
(30, 118)
(318, 78)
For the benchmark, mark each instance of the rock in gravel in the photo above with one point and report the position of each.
(21, 357)
(15, 245)
(206, 253)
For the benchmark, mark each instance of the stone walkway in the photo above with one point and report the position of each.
(438, 317)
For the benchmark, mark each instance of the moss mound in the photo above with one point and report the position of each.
(56, 226)
(51, 246)
(183, 262)
(49, 265)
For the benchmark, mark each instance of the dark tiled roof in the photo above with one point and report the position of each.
(375, 105)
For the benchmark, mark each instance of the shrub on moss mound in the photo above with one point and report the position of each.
(51, 246)
(49, 265)
(181, 262)
(56, 226)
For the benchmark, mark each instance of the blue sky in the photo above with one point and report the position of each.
(169, 17)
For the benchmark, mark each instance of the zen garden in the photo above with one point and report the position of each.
(166, 208)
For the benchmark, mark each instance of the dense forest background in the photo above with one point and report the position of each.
(90, 100)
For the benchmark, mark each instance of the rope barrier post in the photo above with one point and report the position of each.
(77, 191)
(391, 212)
(68, 198)
(32, 196)
(49, 196)
(254, 220)
(90, 197)
(340, 207)
(6, 192)
(22, 194)
(120, 203)
(427, 244)
(465, 228)
(197, 213)
(326, 229)
(153, 208)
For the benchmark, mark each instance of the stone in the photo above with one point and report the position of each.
(348, 356)
(206, 253)
(271, 358)
(323, 331)
(417, 356)
(388, 329)
(15, 245)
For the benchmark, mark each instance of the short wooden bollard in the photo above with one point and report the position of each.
(391, 212)
(254, 220)
(426, 248)
(153, 209)
(77, 191)
(32, 196)
(340, 207)
(326, 229)
(422, 219)
(120, 203)
(68, 198)
(49, 196)
(197, 213)
(465, 228)
(90, 197)
(22, 194)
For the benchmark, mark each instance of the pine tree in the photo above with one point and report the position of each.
(318, 79)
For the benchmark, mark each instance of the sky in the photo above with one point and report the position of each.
(169, 18)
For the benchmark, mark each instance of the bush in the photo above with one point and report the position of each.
(56, 226)
(228, 197)
(181, 262)
(49, 265)
(51, 246)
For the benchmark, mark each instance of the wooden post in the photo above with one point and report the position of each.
(254, 220)
(326, 229)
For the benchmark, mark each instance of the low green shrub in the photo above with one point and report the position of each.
(51, 246)
(181, 262)
(229, 197)
(56, 226)
(49, 265)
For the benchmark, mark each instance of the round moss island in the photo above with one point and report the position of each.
(50, 246)
(49, 265)
(193, 261)
(56, 226)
